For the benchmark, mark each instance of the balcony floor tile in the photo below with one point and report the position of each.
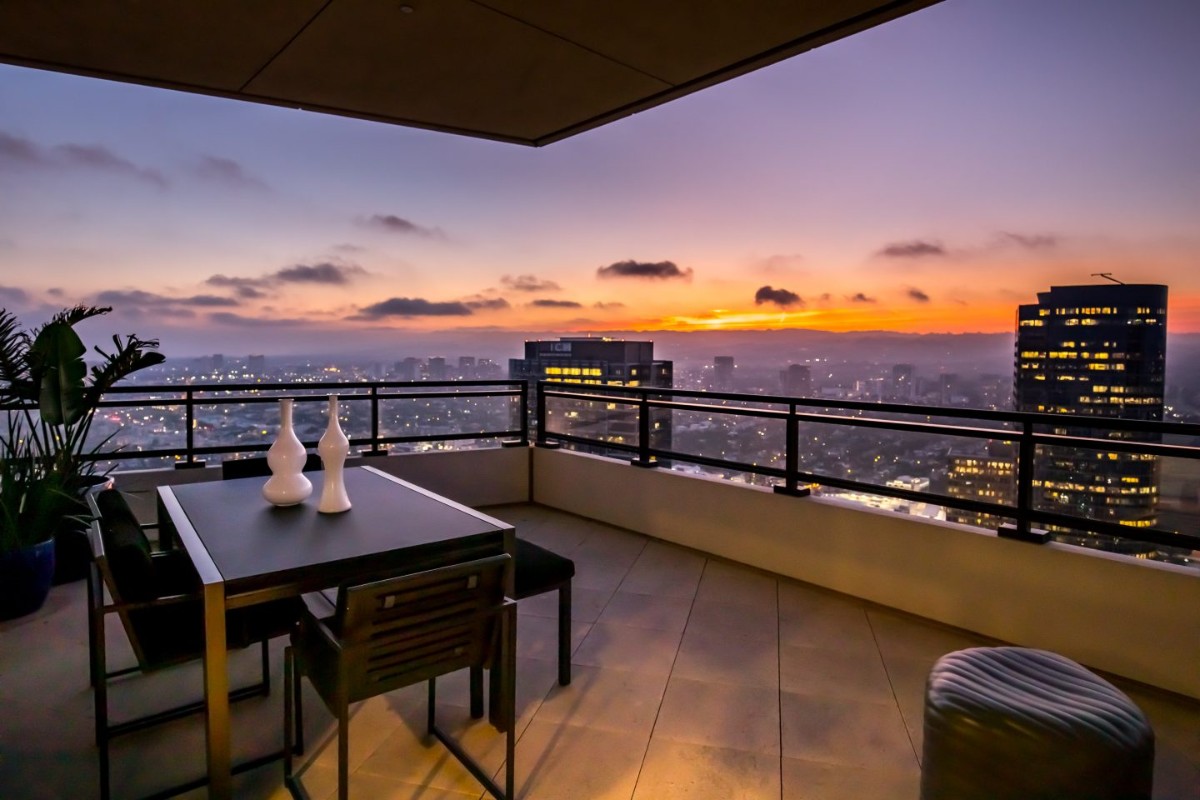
(692, 678)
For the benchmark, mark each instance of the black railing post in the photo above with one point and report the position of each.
(644, 459)
(524, 402)
(189, 405)
(540, 388)
(791, 485)
(1023, 528)
(375, 450)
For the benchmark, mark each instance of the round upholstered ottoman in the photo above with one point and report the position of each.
(1011, 722)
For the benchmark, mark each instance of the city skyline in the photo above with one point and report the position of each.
(926, 176)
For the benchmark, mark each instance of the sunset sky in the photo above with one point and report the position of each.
(927, 175)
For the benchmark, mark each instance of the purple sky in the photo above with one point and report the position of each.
(927, 175)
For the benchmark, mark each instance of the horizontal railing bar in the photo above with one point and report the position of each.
(1117, 445)
(561, 388)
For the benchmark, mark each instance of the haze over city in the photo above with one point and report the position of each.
(926, 176)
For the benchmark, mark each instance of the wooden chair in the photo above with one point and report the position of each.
(399, 631)
(156, 595)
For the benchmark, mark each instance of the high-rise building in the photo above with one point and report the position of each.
(989, 476)
(407, 369)
(256, 364)
(612, 362)
(723, 367)
(796, 381)
(902, 381)
(435, 369)
(1097, 350)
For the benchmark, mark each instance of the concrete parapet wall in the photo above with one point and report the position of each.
(1132, 618)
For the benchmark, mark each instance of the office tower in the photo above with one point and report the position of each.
(486, 369)
(613, 362)
(256, 364)
(796, 381)
(723, 368)
(994, 391)
(989, 476)
(435, 369)
(902, 381)
(466, 367)
(217, 361)
(406, 370)
(948, 389)
(1097, 351)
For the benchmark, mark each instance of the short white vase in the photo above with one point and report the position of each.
(287, 485)
(334, 447)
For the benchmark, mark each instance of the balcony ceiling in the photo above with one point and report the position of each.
(525, 71)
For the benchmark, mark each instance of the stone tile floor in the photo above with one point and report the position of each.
(693, 678)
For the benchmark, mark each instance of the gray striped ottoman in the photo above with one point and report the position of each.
(1003, 723)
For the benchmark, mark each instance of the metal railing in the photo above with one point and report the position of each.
(1027, 431)
(351, 394)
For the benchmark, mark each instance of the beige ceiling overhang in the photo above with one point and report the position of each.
(524, 71)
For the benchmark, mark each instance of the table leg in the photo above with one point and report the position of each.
(216, 694)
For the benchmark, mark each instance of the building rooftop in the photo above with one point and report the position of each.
(694, 677)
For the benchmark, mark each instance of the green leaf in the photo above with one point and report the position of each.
(59, 351)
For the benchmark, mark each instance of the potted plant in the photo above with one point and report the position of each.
(50, 398)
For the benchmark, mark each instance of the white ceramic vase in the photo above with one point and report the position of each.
(334, 447)
(287, 485)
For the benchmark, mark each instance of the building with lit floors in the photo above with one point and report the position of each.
(604, 361)
(1095, 350)
(989, 476)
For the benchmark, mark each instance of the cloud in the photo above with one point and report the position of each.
(395, 224)
(917, 248)
(226, 171)
(246, 288)
(555, 304)
(136, 298)
(347, 247)
(859, 297)
(529, 283)
(88, 156)
(101, 158)
(780, 297)
(207, 300)
(239, 321)
(487, 304)
(918, 295)
(659, 270)
(607, 306)
(21, 151)
(11, 294)
(1037, 241)
(324, 273)
(412, 307)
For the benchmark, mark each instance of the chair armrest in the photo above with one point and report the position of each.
(172, 599)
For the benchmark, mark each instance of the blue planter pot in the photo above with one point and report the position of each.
(25, 576)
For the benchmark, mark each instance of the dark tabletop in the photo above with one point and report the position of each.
(248, 538)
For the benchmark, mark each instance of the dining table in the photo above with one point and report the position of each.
(248, 551)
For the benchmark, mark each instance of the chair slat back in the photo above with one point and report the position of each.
(402, 630)
(101, 577)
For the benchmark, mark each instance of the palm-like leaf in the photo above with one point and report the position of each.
(45, 457)
(58, 354)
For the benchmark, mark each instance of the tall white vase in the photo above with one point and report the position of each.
(334, 447)
(287, 485)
